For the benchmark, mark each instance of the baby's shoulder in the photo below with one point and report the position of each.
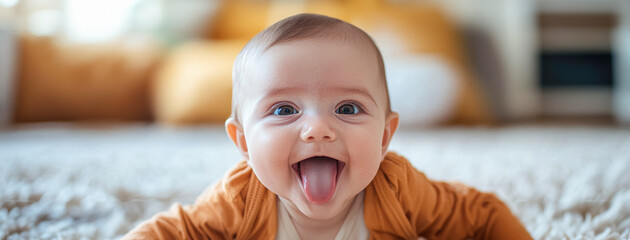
(399, 174)
(397, 165)
(232, 186)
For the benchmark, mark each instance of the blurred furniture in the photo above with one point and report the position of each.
(194, 85)
(401, 30)
(576, 63)
(60, 81)
(593, 40)
(136, 80)
(523, 36)
(510, 27)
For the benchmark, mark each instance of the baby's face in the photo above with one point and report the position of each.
(315, 123)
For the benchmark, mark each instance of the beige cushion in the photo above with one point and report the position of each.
(194, 84)
(61, 81)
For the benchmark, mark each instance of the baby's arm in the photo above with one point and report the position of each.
(485, 214)
(174, 224)
(208, 218)
(455, 211)
(216, 214)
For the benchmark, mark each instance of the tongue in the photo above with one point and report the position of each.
(319, 178)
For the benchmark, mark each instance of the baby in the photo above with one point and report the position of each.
(311, 118)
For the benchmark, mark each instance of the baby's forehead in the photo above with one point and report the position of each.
(269, 57)
(316, 67)
(296, 48)
(341, 33)
(321, 56)
(335, 32)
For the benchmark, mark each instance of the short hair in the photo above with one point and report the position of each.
(298, 27)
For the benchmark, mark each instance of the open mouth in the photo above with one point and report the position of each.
(319, 176)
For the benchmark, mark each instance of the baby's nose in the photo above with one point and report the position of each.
(318, 129)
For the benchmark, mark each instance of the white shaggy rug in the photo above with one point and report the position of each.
(60, 181)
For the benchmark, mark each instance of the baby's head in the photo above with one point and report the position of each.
(310, 112)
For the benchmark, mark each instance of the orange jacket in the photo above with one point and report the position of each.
(400, 203)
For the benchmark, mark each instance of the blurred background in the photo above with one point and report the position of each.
(448, 62)
(90, 91)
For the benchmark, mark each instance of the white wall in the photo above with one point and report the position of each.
(8, 48)
(621, 95)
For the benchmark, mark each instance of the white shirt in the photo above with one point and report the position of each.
(353, 226)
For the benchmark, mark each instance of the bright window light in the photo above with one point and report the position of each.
(97, 20)
(44, 22)
(8, 3)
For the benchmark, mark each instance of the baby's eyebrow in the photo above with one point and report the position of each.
(296, 90)
(281, 91)
(359, 91)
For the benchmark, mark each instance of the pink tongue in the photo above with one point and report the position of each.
(319, 178)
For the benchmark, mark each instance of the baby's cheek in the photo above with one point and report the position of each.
(366, 159)
(368, 147)
(367, 156)
(362, 175)
(270, 174)
(269, 155)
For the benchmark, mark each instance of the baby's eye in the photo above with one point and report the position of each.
(285, 110)
(347, 109)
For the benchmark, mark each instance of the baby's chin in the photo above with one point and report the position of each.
(326, 211)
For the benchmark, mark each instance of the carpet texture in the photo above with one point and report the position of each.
(62, 181)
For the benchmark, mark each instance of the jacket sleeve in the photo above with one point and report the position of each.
(216, 214)
(454, 211)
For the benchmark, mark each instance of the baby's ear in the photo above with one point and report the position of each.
(391, 125)
(235, 132)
